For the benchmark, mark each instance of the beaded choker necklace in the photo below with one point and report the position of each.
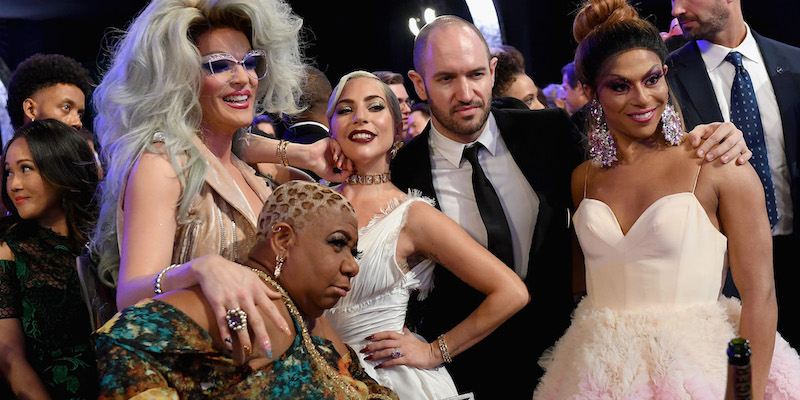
(358, 179)
(334, 378)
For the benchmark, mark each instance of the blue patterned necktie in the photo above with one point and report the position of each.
(745, 115)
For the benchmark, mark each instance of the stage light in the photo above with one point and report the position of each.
(412, 26)
(485, 18)
(429, 15)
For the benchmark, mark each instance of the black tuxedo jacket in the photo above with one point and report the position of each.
(691, 86)
(305, 134)
(546, 147)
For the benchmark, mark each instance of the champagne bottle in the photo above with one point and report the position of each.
(739, 377)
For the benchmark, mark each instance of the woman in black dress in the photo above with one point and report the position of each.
(50, 178)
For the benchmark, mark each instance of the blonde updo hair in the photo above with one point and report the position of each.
(605, 28)
(296, 201)
(391, 99)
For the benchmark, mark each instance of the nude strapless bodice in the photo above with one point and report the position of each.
(671, 256)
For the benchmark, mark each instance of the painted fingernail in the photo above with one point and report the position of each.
(364, 350)
(285, 329)
(369, 337)
(267, 347)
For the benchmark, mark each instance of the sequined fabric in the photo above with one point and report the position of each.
(154, 348)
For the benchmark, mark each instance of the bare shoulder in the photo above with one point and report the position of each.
(578, 182)
(422, 215)
(193, 303)
(730, 175)
(154, 165)
(153, 173)
(5, 252)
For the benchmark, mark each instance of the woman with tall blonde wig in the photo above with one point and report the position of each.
(179, 203)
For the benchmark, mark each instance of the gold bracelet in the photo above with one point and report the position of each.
(443, 349)
(157, 281)
(282, 156)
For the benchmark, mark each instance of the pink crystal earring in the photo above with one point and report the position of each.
(602, 146)
(671, 125)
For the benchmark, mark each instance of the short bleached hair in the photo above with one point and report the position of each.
(295, 202)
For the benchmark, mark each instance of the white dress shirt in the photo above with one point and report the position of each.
(721, 74)
(452, 181)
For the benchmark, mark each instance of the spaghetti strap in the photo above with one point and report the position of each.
(696, 177)
(585, 180)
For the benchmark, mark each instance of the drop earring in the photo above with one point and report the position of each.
(278, 265)
(602, 146)
(671, 125)
(395, 148)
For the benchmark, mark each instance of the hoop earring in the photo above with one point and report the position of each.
(278, 265)
(602, 146)
(671, 125)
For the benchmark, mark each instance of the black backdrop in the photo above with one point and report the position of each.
(356, 34)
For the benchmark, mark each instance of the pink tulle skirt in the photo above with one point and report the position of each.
(655, 354)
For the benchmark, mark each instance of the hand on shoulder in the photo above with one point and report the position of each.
(719, 140)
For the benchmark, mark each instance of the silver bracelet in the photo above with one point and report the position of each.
(443, 349)
(157, 282)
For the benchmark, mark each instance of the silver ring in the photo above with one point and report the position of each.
(396, 353)
(237, 319)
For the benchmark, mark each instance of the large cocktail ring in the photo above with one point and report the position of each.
(397, 353)
(237, 319)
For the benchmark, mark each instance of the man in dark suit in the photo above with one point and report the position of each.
(522, 162)
(702, 76)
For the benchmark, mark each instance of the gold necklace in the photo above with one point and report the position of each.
(350, 391)
(358, 179)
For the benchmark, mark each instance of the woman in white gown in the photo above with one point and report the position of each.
(654, 226)
(401, 237)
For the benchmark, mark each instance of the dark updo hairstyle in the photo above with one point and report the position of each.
(66, 162)
(605, 28)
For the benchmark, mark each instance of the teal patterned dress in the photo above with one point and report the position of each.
(41, 289)
(154, 350)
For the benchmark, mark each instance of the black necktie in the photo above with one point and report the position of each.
(491, 210)
(745, 115)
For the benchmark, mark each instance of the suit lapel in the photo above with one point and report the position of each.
(417, 171)
(526, 154)
(780, 72)
(691, 75)
(221, 181)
